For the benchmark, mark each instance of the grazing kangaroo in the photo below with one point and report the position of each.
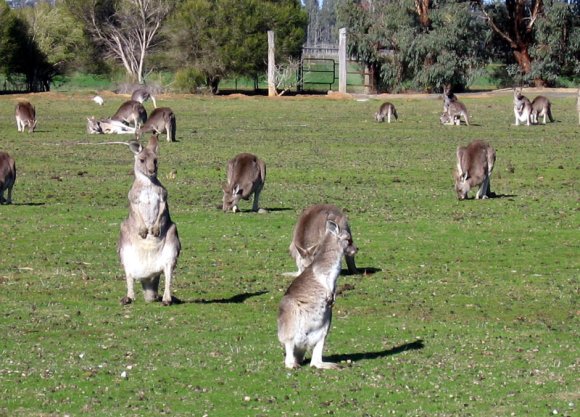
(474, 166)
(386, 110)
(309, 233)
(455, 110)
(7, 177)
(25, 116)
(522, 108)
(108, 126)
(246, 176)
(161, 120)
(131, 112)
(305, 311)
(142, 95)
(541, 106)
(448, 97)
(148, 244)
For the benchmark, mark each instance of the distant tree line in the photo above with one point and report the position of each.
(405, 44)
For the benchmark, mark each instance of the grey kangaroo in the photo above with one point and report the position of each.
(7, 177)
(474, 166)
(148, 245)
(541, 106)
(309, 233)
(25, 114)
(452, 116)
(305, 312)
(246, 176)
(131, 112)
(386, 110)
(161, 120)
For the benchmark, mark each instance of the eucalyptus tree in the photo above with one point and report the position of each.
(126, 30)
(419, 44)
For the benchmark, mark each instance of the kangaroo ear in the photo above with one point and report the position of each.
(135, 147)
(306, 253)
(153, 144)
(237, 190)
(332, 227)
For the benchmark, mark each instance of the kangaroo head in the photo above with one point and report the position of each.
(232, 195)
(146, 157)
(340, 236)
(461, 185)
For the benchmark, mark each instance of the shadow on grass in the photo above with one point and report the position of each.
(361, 271)
(236, 299)
(27, 204)
(417, 345)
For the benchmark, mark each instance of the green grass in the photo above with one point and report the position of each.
(472, 310)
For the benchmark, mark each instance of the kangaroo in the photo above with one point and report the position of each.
(455, 110)
(107, 126)
(131, 112)
(305, 311)
(161, 120)
(246, 176)
(541, 106)
(148, 245)
(386, 110)
(25, 116)
(7, 177)
(142, 95)
(448, 97)
(522, 108)
(310, 231)
(474, 166)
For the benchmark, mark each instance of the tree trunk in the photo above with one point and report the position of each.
(422, 7)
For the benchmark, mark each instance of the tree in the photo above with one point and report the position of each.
(58, 35)
(19, 54)
(228, 37)
(127, 30)
(415, 43)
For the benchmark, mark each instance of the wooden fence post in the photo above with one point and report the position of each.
(271, 64)
(342, 60)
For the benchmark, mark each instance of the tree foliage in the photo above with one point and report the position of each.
(229, 37)
(126, 30)
(416, 44)
(20, 55)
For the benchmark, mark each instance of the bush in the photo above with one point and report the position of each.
(189, 80)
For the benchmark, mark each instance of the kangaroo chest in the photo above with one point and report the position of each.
(148, 202)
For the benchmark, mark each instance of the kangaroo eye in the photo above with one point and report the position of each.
(142, 160)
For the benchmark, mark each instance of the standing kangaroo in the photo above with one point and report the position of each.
(474, 166)
(305, 311)
(25, 116)
(541, 106)
(309, 233)
(161, 120)
(246, 176)
(452, 116)
(522, 108)
(7, 177)
(131, 112)
(448, 97)
(386, 110)
(148, 244)
(142, 95)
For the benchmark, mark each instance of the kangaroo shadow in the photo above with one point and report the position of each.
(494, 195)
(361, 271)
(27, 204)
(417, 345)
(236, 299)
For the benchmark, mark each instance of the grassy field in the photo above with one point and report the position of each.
(465, 308)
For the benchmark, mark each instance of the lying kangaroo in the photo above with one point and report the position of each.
(25, 116)
(148, 244)
(541, 106)
(246, 176)
(108, 126)
(305, 311)
(7, 177)
(310, 231)
(522, 108)
(161, 120)
(386, 110)
(142, 95)
(474, 166)
(131, 112)
(448, 97)
(455, 110)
